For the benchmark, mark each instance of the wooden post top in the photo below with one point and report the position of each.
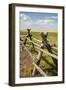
(28, 30)
(44, 35)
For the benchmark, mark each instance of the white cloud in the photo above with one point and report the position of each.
(48, 21)
(54, 17)
(24, 17)
(25, 21)
(45, 21)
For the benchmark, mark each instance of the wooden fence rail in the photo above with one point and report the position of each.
(38, 47)
(39, 69)
(23, 36)
(41, 41)
(35, 65)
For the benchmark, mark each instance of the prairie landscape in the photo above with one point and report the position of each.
(38, 44)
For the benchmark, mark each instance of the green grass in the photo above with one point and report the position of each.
(24, 30)
(52, 36)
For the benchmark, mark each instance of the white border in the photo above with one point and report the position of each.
(19, 80)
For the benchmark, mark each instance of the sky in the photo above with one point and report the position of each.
(38, 21)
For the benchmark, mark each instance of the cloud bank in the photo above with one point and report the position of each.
(41, 23)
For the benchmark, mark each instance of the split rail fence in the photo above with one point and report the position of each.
(41, 49)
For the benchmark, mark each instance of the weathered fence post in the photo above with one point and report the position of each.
(29, 35)
(37, 62)
(38, 58)
(48, 46)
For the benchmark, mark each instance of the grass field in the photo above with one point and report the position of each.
(46, 62)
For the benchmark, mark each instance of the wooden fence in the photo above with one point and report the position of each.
(41, 50)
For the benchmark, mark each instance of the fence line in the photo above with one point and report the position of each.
(35, 65)
(54, 56)
(41, 41)
(38, 47)
(36, 60)
(37, 40)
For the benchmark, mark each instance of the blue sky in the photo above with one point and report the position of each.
(38, 21)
